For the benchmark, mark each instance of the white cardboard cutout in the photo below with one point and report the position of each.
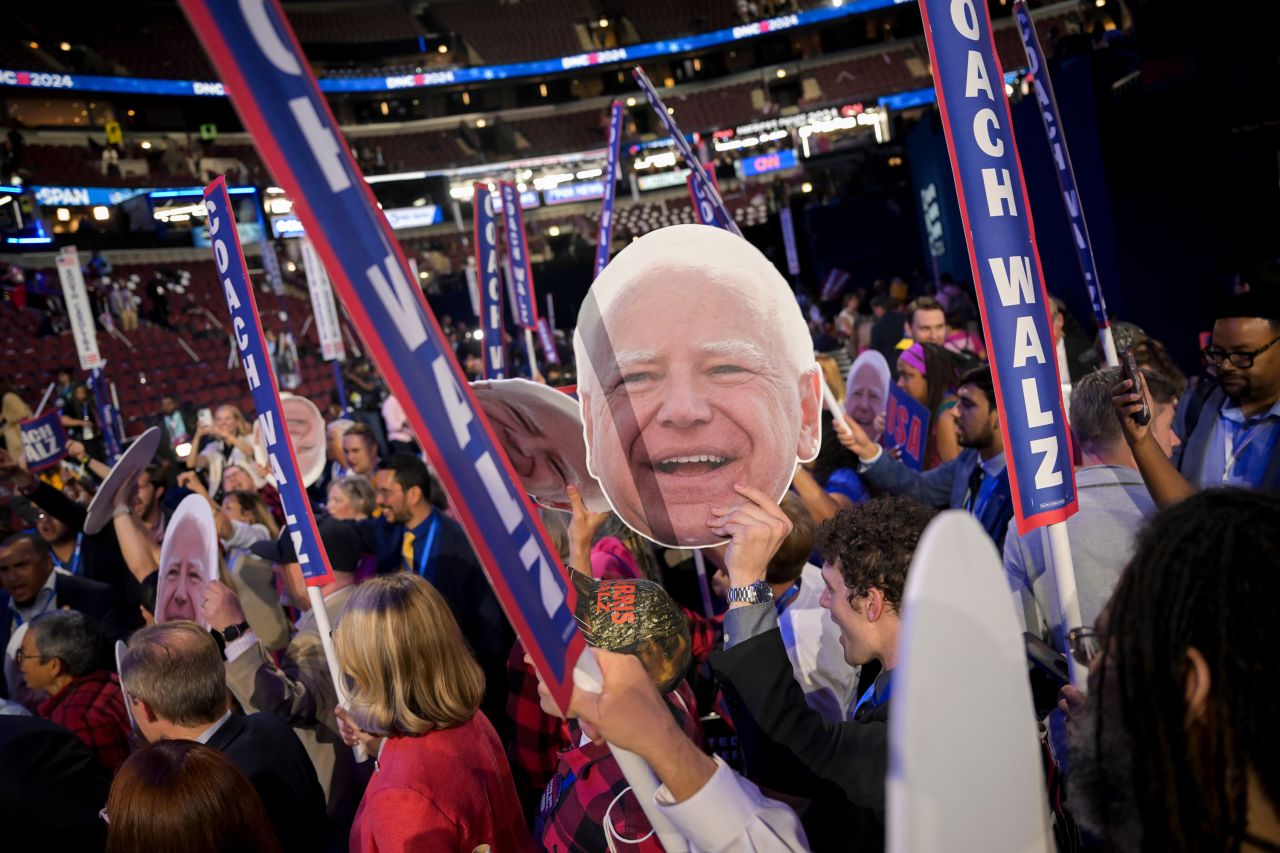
(307, 434)
(121, 476)
(721, 386)
(188, 558)
(541, 430)
(866, 395)
(964, 758)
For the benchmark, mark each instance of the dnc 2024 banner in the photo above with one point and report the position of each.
(1006, 264)
(276, 96)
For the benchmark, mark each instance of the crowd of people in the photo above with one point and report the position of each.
(159, 703)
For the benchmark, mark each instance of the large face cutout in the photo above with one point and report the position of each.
(306, 432)
(188, 558)
(541, 430)
(867, 393)
(696, 374)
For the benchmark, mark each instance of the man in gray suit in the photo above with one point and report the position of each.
(977, 480)
(300, 689)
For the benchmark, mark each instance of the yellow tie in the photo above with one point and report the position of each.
(406, 551)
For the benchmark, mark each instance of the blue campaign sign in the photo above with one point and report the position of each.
(1006, 264)
(698, 174)
(526, 306)
(604, 237)
(44, 441)
(488, 272)
(705, 209)
(906, 426)
(276, 96)
(1052, 119)
(228, 256)
(547, 340)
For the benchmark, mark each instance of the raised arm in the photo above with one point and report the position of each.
(1165, 483)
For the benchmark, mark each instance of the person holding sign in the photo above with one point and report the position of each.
(789, 748)
(927, 372)
(696, 373)
(977, 480)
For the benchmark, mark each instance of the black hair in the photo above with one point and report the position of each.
(1206, 575)
(35, 540)
(147, 590)
(980, 378)
(1252, 303)
(872, 544)
(411, 471)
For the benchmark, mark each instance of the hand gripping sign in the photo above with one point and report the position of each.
(489, 275)
(258, 371)
(1006, 265)
(272, 88)
(604, 237)
(1052, 120)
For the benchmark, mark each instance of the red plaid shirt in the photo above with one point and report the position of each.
(537, 737)
(92, 708)
(588, 781)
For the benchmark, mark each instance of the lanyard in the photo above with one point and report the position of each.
(426, 546)
(782, 601)
(1233, 455)
(73, 565)
(869, 697)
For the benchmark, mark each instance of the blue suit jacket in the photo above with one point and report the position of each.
(944, 487)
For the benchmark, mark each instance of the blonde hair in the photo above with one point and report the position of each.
(411, 669)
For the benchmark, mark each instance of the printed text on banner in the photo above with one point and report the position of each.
(488, 279)
(323, 307)
(906, 427)
(604, 237)
(252, 345)
(1006, 265)
(526, 307)
(705, 211)
(272, 88)
(44, 441)
(79, 310)
(1052, 120)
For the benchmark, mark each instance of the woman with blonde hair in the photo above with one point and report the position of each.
(441, 780)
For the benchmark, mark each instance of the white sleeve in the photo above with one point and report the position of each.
(243, 535)
(730, 815)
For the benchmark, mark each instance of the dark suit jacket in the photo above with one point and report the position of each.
(166, 439)
(789, 748)
(945, 486)
(51, 788)
(454, 570)
(100, 557)
(270, 754)
(88, 597)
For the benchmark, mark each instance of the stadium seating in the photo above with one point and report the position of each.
(366, 23)
(511, 32)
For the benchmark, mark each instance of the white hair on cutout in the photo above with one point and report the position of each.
(726, 259)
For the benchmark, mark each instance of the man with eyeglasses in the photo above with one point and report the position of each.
(1229, 425)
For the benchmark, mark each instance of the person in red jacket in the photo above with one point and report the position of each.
(441, 779)
(59, 655)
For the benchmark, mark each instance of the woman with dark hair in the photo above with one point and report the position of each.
(182, 795)
(81, 421)
(927, 372)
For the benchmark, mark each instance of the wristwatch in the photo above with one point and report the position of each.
(756, 593)
(235, 632)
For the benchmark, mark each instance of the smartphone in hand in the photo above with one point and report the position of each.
(204, 416)
(1129, 365)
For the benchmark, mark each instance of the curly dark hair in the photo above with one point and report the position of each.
(872, 544)
(1205, 574)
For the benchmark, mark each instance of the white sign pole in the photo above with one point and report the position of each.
(323, 307)
(79, 311)
(1064, 579)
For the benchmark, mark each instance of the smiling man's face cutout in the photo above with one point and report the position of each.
(696, 374)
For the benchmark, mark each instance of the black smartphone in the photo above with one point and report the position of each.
(1047, 669)
(1129, 365)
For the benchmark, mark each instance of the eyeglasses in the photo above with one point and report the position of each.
(1242, 359)
(1085, 644)
(20, 655)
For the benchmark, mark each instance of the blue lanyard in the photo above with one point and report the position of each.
(426, 546)
(870, 698)
(17, 617)
(782, 601)
(74, 565)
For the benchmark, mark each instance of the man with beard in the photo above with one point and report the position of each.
(977, 480)
(1229, 428)
(1174, 748)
